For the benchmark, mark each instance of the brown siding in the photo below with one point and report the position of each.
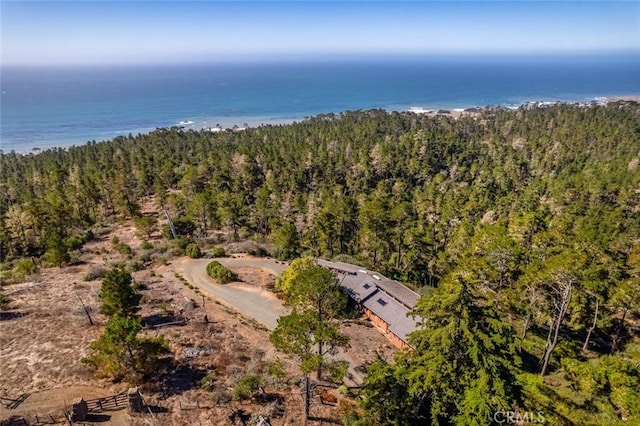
(384, 327)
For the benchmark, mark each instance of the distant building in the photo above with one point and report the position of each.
(384, 301)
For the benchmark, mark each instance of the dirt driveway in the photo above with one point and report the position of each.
(250, 300)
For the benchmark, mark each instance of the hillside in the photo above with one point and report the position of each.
(530, 216)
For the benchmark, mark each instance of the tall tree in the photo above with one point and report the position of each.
(316, 302)
(462, 366)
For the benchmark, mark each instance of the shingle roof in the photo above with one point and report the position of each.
(386, 298)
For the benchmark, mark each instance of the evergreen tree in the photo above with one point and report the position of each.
(120, 354)
(311, 331)
(462, 365)
(118, 295)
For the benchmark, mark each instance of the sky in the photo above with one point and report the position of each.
(114, 32)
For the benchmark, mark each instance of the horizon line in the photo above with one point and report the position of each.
(328, 57)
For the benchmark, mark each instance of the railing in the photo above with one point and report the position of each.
(109, 403)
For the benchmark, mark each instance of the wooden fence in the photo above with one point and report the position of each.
(109, 403)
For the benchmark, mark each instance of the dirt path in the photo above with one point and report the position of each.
(250, 300)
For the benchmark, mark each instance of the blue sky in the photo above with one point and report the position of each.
(93, 32)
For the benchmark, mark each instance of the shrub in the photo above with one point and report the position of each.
(75, 242)
(221, 273)
(123, 249)
(145, 225)
(23, 268)
(135, 265)
(146, 245)
(56, 256)
(145, 257)
(95, 273)
(208, 382)
(245, 387)
(218, 252)
(259, 252)
(277, 369)
(193, 251)
(221, 396)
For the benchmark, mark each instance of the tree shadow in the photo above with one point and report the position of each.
(530, 362)
(181, 378)
(155, 409)
(7, 316)
(98, 418)
(157, 320)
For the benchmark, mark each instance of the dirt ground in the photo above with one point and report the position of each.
(45, 331)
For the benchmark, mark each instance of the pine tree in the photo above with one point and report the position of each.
(117, 294)
(461, 368)
(311, 331)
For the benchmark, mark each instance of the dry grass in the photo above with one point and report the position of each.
(45, 332)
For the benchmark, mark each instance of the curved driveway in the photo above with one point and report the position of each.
(249, 300)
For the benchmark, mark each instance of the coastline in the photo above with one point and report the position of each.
(238, 123)
(628, 98)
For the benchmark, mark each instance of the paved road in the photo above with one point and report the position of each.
(253, 302)
(249, 300)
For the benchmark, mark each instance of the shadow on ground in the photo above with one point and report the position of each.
(181, 378)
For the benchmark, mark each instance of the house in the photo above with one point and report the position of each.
(383, 301)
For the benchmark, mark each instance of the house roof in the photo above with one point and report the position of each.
(388, 299)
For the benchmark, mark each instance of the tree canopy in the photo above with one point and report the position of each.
(536, 207)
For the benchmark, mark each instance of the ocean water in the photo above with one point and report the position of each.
(62, 106)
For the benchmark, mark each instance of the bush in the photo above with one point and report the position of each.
(193, 251)
(245, 387)
(135, 265)
(75, 242)
(221, 396)
(221, 273)
(208, 382)
(145, 257)
(95, 273)
(146, 245)
(259, 252)
(218, 252)
(23, 268)
(123, 249)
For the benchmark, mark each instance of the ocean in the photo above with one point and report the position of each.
(43, 107)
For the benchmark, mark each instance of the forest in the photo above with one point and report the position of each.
(520, 228)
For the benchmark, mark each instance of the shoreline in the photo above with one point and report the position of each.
(239, 123)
